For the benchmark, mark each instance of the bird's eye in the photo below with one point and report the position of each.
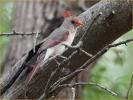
(72, 21)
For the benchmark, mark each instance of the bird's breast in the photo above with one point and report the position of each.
(70, 38)
(60, 48)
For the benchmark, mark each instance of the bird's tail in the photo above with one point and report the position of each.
(36, 67)
(32, 74)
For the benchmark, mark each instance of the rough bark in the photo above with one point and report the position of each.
(106, 29)
(33, 15)
(29, 16)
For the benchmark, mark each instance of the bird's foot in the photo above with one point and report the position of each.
(77, 46)
(57, 62)
(59, 58)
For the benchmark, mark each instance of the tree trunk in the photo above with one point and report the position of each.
(31, 16)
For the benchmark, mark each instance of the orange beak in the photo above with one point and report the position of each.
(79, 23)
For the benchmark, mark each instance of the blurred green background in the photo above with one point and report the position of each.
(113, 70)
(5, 25)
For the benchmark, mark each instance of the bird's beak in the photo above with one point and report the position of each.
(79, 23)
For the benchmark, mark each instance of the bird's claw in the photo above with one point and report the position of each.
(78, 46)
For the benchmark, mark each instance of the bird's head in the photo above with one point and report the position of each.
(75, 22)
(71, 21)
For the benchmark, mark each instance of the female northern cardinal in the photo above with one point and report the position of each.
(53, 45)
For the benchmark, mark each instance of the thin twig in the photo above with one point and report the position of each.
(61, 80)
(86, 64)
(17, 34)
(73, 93)
(89, 83)
(64, 62)
(129, 89)
(35, 41)
(101, 52)
(76, 47)
(17, 74)
(46, 87)
(86, 53)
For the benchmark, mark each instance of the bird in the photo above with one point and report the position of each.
(55, 43)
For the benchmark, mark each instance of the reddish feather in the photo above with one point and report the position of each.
(66, 35)
(36, 66)
(32, 73)
(67, 14)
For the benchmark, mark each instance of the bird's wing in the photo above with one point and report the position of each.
(32, 73)
(54, 39)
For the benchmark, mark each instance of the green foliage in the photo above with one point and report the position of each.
(5, 24)
(113, 71)
(5, 15)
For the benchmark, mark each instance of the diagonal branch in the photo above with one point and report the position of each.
(89, 83)
(17, 34)
(107, 29)
(129, 89)
(86, 64)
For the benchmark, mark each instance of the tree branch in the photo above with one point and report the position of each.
(54, 87)
(17, 33)
(89, 83)
(129, 88)
(105, 30)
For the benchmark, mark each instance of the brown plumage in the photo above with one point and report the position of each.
(53, 44)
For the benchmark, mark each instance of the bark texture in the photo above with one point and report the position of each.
(113, 23)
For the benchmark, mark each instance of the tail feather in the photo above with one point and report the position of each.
(32, 74)
(39, 58)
